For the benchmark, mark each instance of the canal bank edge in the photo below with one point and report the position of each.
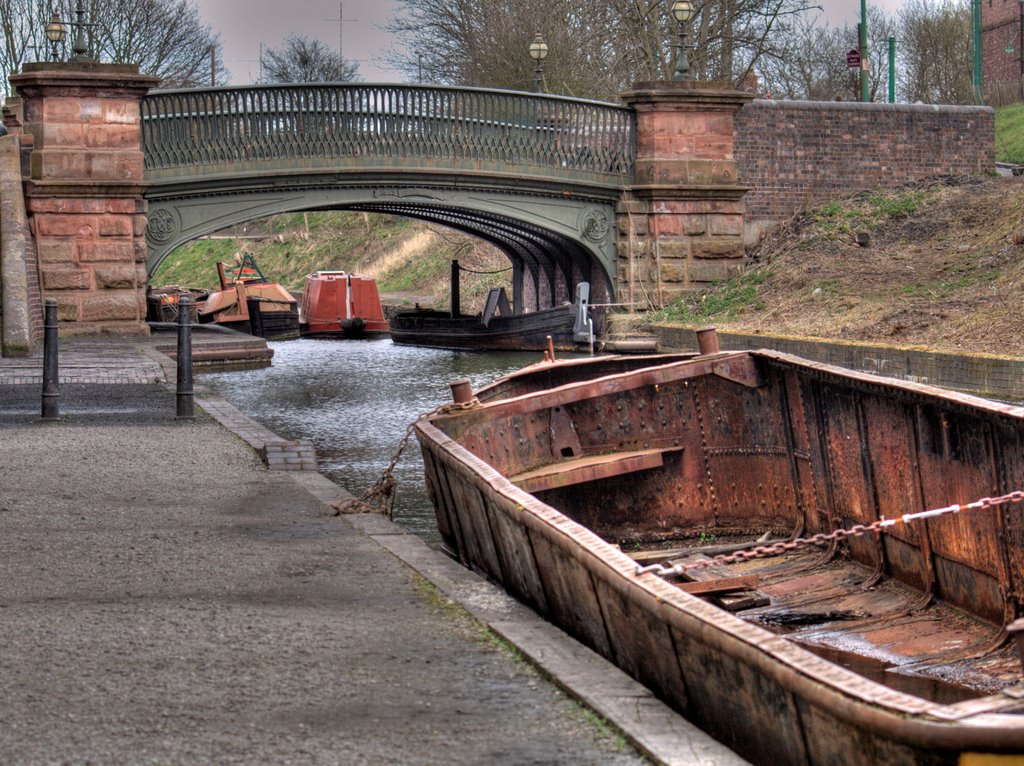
(989, 375)
(647, 723)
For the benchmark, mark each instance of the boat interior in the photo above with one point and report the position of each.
(690, 462)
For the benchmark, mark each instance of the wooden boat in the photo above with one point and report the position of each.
(497, 327)
(624, 507)
(341, 305)
(248, 302)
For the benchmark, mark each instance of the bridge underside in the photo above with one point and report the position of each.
(553, 240)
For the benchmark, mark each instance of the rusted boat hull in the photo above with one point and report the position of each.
(745, 443)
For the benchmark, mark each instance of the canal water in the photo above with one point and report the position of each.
(353, 400)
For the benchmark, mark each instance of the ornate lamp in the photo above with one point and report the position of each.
(538, 52)
(56, 31)
(682, 11)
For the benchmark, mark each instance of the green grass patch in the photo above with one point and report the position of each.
(723, 301)
(1010, 133)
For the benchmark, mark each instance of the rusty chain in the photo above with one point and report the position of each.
(824, 538)
(380, 498)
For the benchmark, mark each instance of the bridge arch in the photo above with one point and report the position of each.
(538, 176)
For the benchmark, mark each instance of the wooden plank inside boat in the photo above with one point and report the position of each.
(566, 473)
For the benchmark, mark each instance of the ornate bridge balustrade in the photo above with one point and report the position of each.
(340, 125)
(538, 176)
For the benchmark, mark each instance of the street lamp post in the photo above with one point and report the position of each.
(81, 49)
(682, 11)
(538, 52)
(55, 34)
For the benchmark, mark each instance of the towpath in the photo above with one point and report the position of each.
(165, 598)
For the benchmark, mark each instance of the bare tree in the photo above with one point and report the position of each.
(809, 60)
(597, 47)
(302, 59)
(166, 39)
(935, 51)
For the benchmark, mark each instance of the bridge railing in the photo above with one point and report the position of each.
(360, 125)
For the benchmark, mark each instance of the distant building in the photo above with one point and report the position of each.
(1002, 66)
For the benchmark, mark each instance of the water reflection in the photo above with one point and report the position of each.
(353, 401)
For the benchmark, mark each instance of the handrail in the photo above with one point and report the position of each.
(358, 122)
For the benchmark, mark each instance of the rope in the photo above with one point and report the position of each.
(380, 498)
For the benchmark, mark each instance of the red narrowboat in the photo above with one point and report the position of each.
(339, 304)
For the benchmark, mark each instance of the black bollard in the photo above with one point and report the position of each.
(51, 376)
(186, 393)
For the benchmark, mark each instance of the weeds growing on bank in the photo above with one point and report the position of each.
(725, 300)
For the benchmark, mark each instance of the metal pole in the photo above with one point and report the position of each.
(186, 393)
(892, 70)
(865, 94)
(51, 376)
(976, 25)
(456, 299)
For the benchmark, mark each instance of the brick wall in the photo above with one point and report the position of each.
(989, 375)
(795, 154)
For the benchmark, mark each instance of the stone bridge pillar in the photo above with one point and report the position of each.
(680, 226)
(83, 192)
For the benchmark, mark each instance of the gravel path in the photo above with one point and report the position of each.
(165, 599)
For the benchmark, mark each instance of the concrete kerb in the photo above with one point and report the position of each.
(647, 723)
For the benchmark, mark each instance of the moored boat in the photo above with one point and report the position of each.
(742, 533)
(497, 328)
(248, 302)
(339, 304)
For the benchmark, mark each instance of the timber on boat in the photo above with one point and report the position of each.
(336, 304)
(816, 566)
(499, 327)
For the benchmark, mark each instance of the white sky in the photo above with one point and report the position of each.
(244, 24)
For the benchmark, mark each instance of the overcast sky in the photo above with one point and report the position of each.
(244, 24)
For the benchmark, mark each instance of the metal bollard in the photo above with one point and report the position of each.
(186, 393)
(707, 341)
(462, 390)
(51, 376)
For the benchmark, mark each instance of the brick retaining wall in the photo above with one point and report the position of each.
(989, 375)
(796, 154)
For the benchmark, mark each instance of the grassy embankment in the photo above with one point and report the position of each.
(944, 261)
(409, 260)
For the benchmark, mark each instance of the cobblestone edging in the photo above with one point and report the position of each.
(989, 375)
(75, 367)
(278, 454)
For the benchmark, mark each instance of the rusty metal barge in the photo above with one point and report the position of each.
(814, 565)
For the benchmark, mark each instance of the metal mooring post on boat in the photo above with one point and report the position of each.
(462, 390)
(51, 376)
(185, 391)
(707, 340)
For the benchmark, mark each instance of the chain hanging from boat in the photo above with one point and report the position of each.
(857, 530)
(380, 498)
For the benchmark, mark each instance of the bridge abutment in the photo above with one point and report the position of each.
(84, 192)
(680, 224)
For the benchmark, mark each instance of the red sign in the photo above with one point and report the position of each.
(853, 59)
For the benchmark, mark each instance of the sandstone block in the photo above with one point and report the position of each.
(112, 277)
(55, 251)
(718, 248)
(115, 226)
(107, 250)
(713, 270)
(114, 306)
(53, 225)
(65, 279)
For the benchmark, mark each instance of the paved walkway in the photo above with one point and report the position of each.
(166, 599)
